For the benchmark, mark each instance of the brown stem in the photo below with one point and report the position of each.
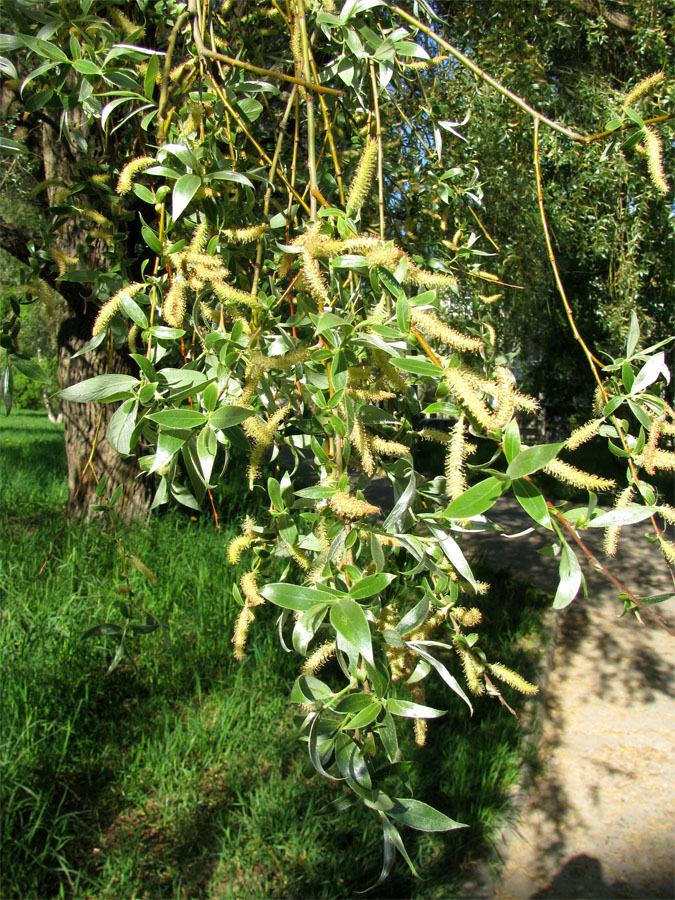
(595, 562)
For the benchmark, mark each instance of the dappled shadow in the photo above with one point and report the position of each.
(581, 878)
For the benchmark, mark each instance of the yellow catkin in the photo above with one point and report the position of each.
(418, 694)
(433, 434)
(612, 534)
(228, 294)
(363, 177)
(454, 461)
(386, 255)
(654, 148)
(113, 305)
(668, 550)
(643, 88)
(662, 459)
(240, 635)
(361, 444)
(97, 217)
(667, 512)
(459, 382)
(513, 679)
(132, 336)
(650, 446)
(563, 471)
(524, 402)
(580, 435)
(62, 260)
(347, 507)
(430, 324)
(249, 586)
(319, 658)
(314, 279)
(175, 303)
(125, 24)
(244, 235)
(490, 298)
(467, 617)
(300, 558)
(472, 671)
(505, 395)
(424, 278)
(200, 239)
(668, 428)
(237, 546)
(388, 448)
(125, 181)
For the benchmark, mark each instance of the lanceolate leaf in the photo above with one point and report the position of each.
(570, 578)
(532, 459)
(627, 515)
(104, 388)
(421, 816)
(532, 501)
(296, 596)
(183, 192)
(349, 620)
(476, 500)
(178, 418)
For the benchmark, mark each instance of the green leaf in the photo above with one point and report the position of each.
(133, 310)
(418, 365)
(229, 175)
(296, 596)
(532, 459)
(227, 416)
(532, 501)
(512, 441)
(420, 648)
(350, 761)
(29, 367)
(349, 620)
(86, 67)
(649, 372)
(370, 585)
(121, 427)
(570, 578)
(104, 388)
(421, 816)
(152, 240)
(318, 492)
(628, 515)
(183, 192)
(410, 710)
(178, 418)
(7, 386)
(475, 500)
(151, 76)
(633, 334)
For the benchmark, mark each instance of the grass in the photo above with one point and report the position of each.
(183, 778)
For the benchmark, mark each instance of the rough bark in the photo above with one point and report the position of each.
(86, 427)
(83, 422)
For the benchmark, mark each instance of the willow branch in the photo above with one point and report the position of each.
(595, 562)
(488, 79)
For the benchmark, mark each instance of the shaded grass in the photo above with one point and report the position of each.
(183, 778)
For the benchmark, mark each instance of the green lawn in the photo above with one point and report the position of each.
(183, 778)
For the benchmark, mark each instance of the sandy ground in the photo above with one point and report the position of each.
(597, 821)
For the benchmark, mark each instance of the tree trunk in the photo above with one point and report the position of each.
(86, 426)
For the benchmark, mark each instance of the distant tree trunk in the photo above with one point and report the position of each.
(81, 420)
(86, 426)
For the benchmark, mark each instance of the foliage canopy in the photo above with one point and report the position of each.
(280, 216)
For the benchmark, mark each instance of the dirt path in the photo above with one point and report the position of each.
(597, 821)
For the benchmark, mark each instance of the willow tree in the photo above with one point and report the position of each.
(246, 259)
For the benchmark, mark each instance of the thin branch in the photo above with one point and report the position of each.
(595, 562)
(569, 132)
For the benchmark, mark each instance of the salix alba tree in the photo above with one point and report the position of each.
(226, 180)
